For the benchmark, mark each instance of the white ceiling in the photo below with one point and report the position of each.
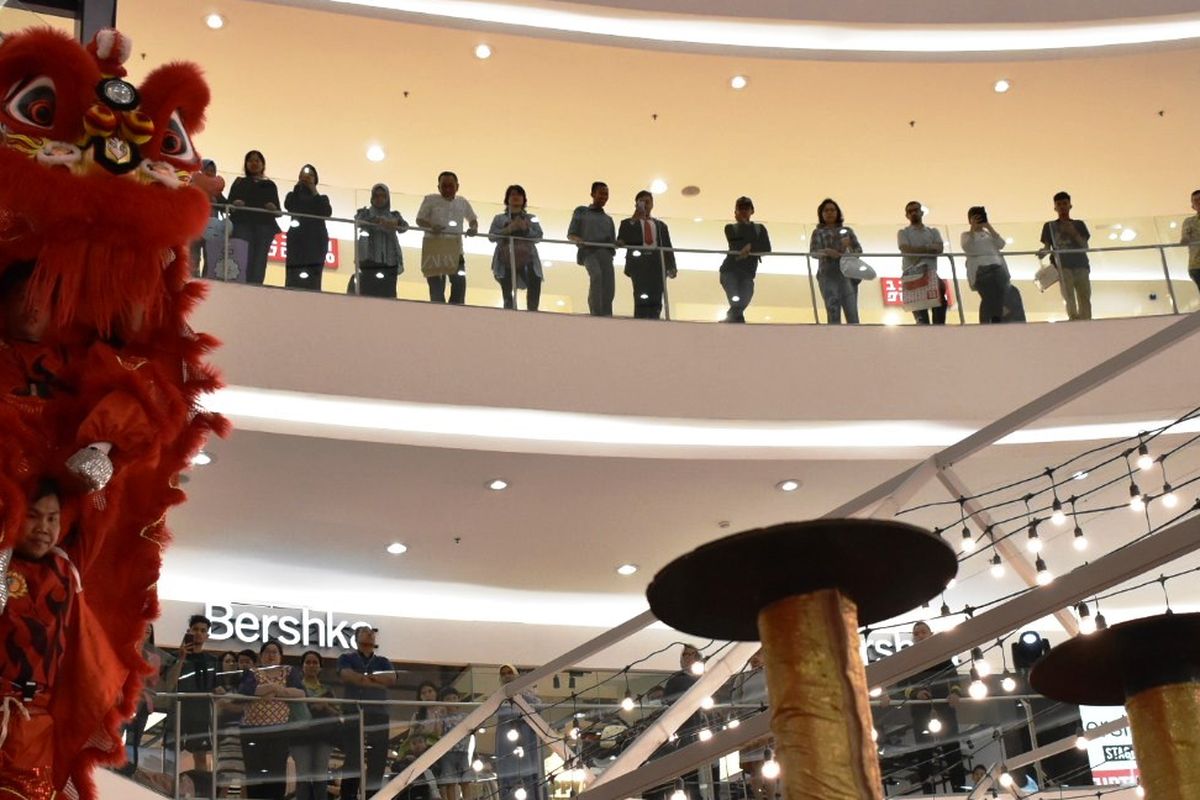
(911, 11)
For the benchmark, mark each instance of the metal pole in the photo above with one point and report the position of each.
(1033, 742)
(1162, 253)
(225, 231)
(812, 288)
(357, 268)
(178, 744)
(962, 319)
(362, 753)
(512, 269)
(212, 702)
(666, 297)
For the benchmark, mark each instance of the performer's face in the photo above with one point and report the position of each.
(41, 529)
(25, 324)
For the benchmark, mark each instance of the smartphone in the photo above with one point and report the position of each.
(188, 639)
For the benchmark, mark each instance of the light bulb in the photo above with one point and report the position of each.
(981, 663)
(1144, 460)
(734, 722)
(978, 689)
(698, 667)
(477, 765)
(512, 735)
(876, 691)
(1044, 575)
(1008, 683)
(1056, 514)
(1080, 541)
(1169, 498)
(214, 22)
(483, 51)
(968, 541)
(1081, 742)
(935, 724)
(997, 566)
(705, 734)
(679, 793)
(706, 703)
(1087, 626)
(738, 82)
(1136, 503)
(770, 767)
(520, 793)
(1101, 622)
(1006, 780)
(1034, 545)
(627, 702)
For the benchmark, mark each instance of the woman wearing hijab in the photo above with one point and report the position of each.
(377, 245)
(209, 245)
(254, 190)
(308, 238)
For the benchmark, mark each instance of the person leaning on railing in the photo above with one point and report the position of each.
(254, 190)
(366, 676)
(1191, 237)
(516, 233)
(646, 268)
(308, 238)
(592, 230)
(746, 240)
(313, 741)
(265, 728)
(987, 272)
(377, 246)
(1074, 278)
(442, 216)
(831, 240)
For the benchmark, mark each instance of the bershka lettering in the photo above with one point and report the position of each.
(289, 626)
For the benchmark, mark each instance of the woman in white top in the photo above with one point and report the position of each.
(986, 271)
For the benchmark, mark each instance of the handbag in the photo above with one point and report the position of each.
(855, 268)
(1046, 276)
(226, 262)
(441, 256)
(921, 291)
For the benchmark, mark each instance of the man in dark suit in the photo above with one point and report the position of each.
(646, 267)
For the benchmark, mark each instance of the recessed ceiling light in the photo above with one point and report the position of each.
(697, 219)
(395, 548)
(214, 21)
(658, 186)
(738, 82)
(627, 569)
(1001, 86)
(201, 459)
(690, 190)
(497, 484)
(789, 485)
(483, 51)
(375, 153)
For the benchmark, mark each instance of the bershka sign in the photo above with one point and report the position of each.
(288, 626)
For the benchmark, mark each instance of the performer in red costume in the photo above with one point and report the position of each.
(100, 380)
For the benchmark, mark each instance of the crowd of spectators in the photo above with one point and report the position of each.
(446, 216)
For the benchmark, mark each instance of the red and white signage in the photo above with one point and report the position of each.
(1111, 756)
(278, 251)
(893, 292)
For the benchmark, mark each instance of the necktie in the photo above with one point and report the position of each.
(647, 233)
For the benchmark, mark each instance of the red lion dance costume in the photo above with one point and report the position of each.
(95, 208)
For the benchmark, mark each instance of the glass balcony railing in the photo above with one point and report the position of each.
(553, 746)
(1138, 268)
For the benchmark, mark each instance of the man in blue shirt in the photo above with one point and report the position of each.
(366, 676)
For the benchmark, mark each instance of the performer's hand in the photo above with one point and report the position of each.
(924, 694)
(92, 467)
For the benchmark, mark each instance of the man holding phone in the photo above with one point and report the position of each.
(646, 268)
(195, 671)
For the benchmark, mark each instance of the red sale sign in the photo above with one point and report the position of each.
(893, 292)
(278, 251)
